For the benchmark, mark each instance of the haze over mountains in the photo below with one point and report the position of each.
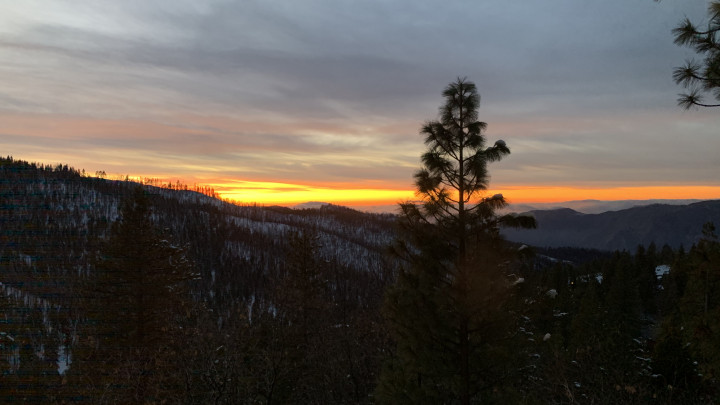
(606, 225)
(625, 229)
(596, 206)
(584, 206)
(602, 225)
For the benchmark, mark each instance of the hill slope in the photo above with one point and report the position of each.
(53, 218)
(674, 225)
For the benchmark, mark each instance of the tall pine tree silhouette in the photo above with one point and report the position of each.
(445, 310)
(700, 78)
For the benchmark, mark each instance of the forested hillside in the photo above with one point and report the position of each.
(56, 225)
(114, 292)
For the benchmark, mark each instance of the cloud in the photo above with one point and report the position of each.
(335, 91)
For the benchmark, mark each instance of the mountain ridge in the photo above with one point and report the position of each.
(592, 206)
(674, 225)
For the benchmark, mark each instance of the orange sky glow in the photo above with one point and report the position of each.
(271, 193)
(559, 194)
(289, 105)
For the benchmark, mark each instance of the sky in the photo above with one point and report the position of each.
(283, 102)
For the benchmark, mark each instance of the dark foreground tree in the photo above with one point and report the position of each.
(134, 305)
(446, 309)
(700, 304)
(700, 77)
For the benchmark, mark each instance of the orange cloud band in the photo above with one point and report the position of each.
(271, 193)
(558, 194)
(289, 194)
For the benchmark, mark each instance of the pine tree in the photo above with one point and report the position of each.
(700, 77)
(8, 337)
(686, 356)
(700, 304)
(134, 303)
(446, 309)
(301, 325)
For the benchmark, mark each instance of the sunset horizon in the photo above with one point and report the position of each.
(360, 197)
(382, 198)
(271, 107)
(354, 202)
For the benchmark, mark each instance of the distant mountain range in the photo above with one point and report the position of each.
(609, 225)
(596, 206)
(624, 229)
(584, 206)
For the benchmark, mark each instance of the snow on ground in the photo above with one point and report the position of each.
(662, 270)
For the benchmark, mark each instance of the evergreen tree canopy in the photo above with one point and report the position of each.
(700, 304)
(445, 310)
(704, 76)
(455, 175)
(135, 304)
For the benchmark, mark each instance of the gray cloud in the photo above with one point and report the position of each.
(576, 88)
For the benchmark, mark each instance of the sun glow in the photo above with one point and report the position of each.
(288, 194)
(384, 197)
(276, 193)
(529, 194)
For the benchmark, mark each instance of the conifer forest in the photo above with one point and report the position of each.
(121, 292)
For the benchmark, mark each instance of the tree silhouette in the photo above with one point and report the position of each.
(444, 310)
(134, 305)
(700, 77)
